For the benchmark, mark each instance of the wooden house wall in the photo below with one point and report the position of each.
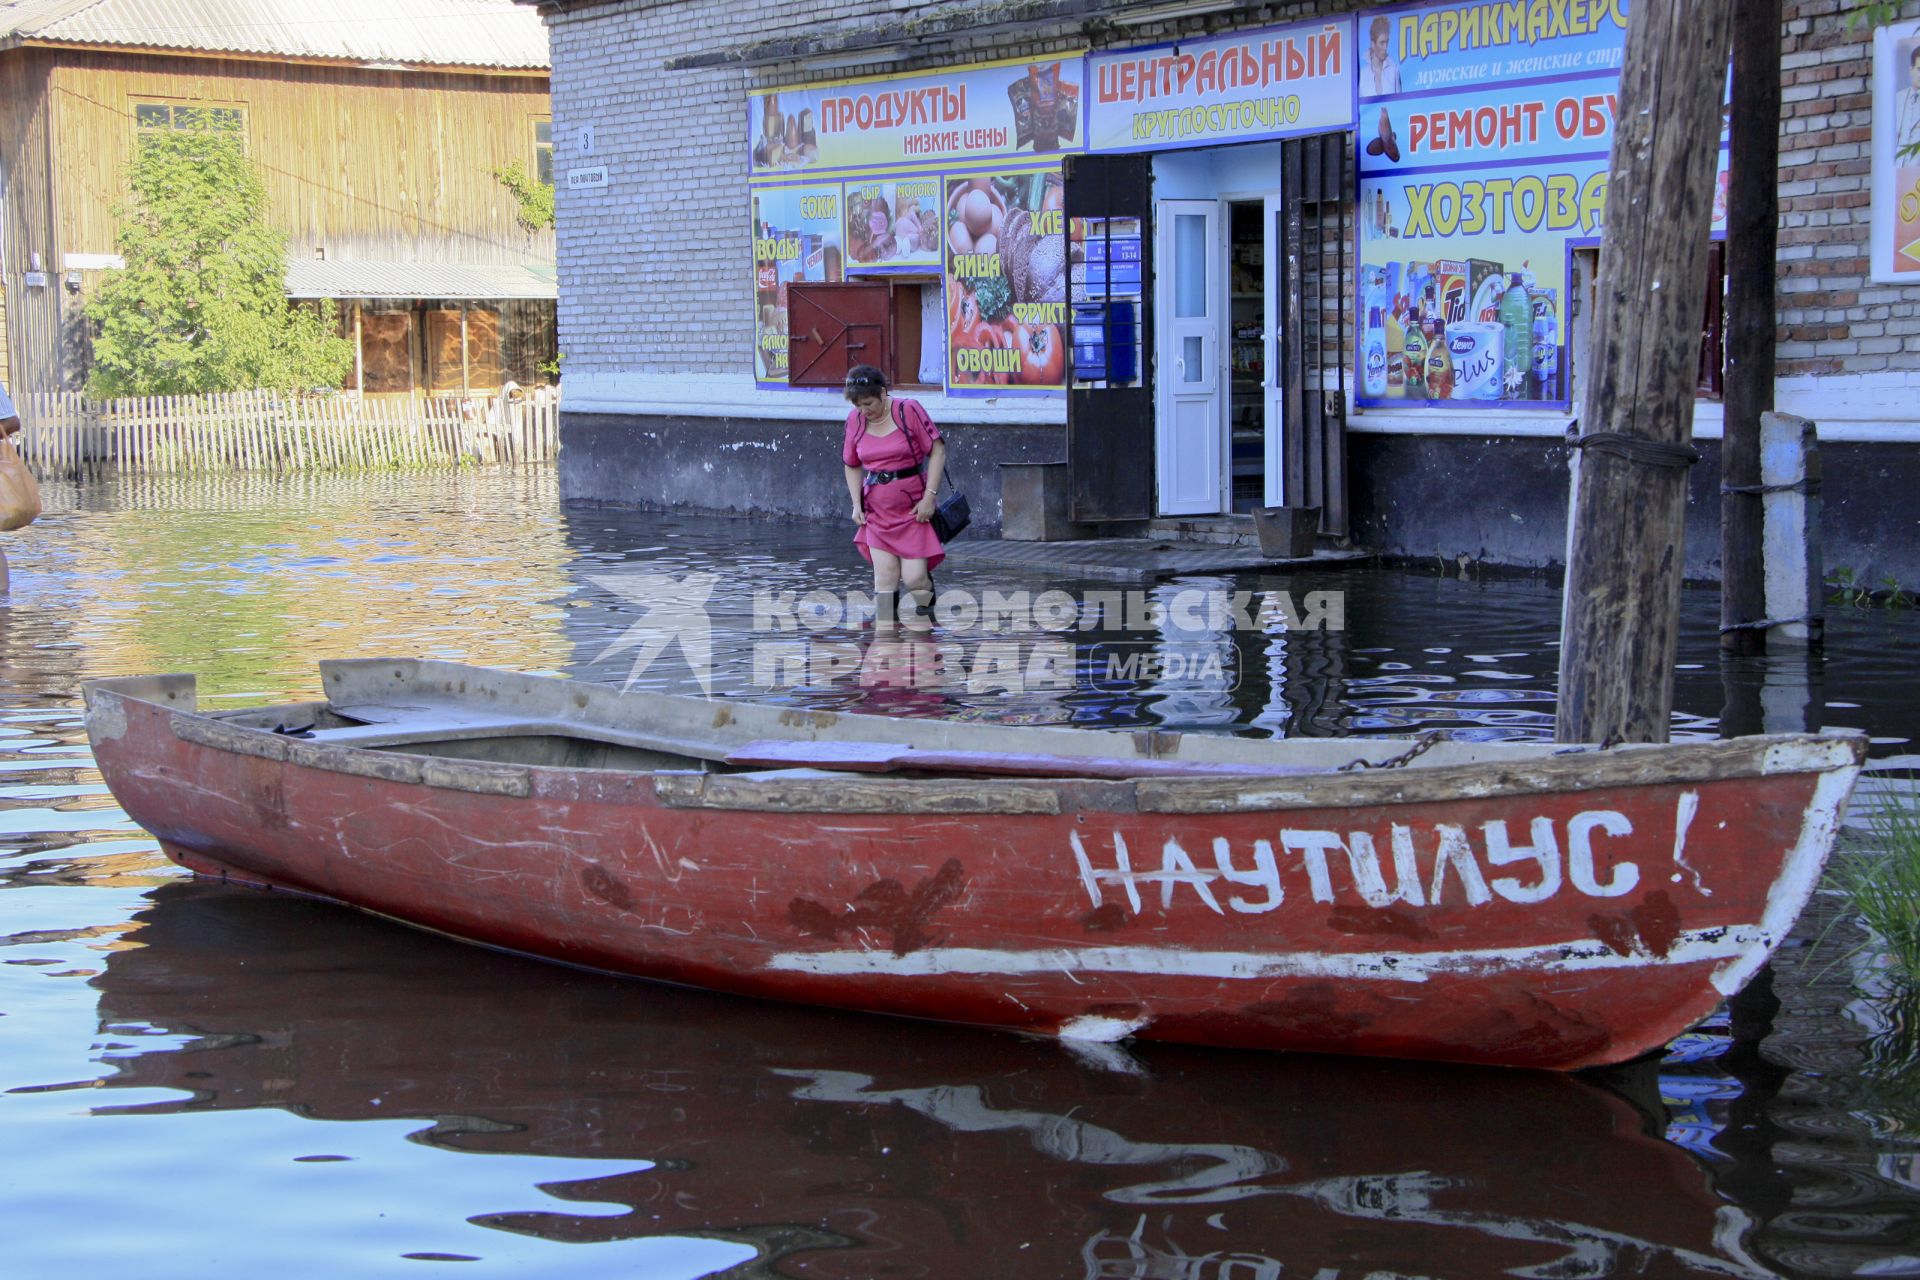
(381, 165)
(27, 205)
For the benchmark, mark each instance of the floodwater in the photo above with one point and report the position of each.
(197, 1079)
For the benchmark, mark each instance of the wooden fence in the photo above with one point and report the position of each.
(64, 434)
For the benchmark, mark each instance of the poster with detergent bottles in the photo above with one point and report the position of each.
(1484, 135)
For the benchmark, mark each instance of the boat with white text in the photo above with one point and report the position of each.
(1509, 903)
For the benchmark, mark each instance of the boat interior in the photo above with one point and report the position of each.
(446, 735)
(451, 711)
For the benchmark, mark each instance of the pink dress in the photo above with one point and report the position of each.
(890, 522)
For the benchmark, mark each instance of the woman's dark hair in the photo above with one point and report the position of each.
(864, 382)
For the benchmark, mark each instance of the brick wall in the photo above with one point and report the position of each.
(656, 268)
(1833, 318)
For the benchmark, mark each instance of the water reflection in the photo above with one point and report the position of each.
(848, 1146)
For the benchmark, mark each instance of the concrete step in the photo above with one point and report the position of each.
(1225, 531)
(1133, 559)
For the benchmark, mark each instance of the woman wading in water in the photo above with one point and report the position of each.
(894, 457)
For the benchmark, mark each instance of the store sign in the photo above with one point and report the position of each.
(988, 111)
(1274, 83)
(796, 236)
(1484, 137)
(1006, 282)
(894, 224)
(1895, 236)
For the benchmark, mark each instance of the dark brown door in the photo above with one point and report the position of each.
(1110, 396)
(833, 327)
(1313, 282)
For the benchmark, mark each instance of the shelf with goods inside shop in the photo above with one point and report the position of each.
(1246, 359)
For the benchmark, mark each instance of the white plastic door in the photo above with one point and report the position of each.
(1191, 422)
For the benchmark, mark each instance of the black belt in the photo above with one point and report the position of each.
(888, 477)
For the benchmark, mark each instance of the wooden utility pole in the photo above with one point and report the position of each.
(1620, 623)
(1753, 217)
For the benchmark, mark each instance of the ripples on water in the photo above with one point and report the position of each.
(195, 1077)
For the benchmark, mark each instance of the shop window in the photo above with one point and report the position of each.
(894, 325)
(1711, 382)
(1104, 256)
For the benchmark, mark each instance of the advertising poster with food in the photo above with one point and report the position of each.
(1276, 83)
(796, 236)
(959, 113)
(1484, 138)
(1006, 282)
(1895, 236)
(894, 225)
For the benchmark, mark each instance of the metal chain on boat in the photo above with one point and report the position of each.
(1419, 747)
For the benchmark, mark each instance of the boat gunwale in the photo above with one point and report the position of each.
(1550, 770)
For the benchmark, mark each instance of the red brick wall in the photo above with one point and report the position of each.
(1833, 319)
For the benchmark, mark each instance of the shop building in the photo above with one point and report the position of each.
(1211, 256)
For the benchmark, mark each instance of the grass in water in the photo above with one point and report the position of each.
(1884, 881)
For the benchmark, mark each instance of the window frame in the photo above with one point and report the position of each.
(902, 344)
(136, 102)
(1711, 383)
(542, 151)
(1711, 361)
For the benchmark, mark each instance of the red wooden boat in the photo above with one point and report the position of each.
(1515, 904)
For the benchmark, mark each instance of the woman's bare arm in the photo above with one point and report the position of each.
(856, 477)
(936, 467)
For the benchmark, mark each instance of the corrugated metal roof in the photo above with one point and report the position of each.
(442, 33)
(317, 278)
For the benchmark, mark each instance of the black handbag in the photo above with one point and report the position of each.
(952, 514)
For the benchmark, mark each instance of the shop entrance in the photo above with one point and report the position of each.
(1227, 266)
(1249, 271)
(1218, 447)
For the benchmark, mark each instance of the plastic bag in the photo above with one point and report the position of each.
(19, 491)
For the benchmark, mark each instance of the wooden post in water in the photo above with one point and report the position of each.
(1753, 215)
(1620, 622)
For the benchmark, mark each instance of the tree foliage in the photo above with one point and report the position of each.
(535, 196)
(201, 304)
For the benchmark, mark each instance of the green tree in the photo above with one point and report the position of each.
(201, 304)
(535, 197)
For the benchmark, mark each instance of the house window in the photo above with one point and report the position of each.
(150, 118)
(452, 369)
(543, 150)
